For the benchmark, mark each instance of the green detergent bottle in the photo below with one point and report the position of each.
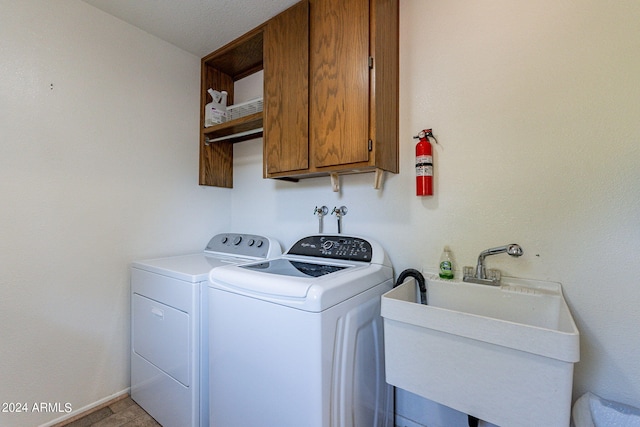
(446, 264)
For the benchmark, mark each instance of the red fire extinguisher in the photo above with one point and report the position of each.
(424, 164)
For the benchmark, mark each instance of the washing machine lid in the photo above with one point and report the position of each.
(295, 268)
(316, 273)
(299, 290)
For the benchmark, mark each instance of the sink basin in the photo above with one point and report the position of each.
(503, 354)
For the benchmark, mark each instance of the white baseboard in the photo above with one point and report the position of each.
(86, 408)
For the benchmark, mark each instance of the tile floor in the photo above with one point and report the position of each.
(123, 413)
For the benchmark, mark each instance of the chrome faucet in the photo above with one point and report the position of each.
(339, 212)
(321, 212)
(482, 274)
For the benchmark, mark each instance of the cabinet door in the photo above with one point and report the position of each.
(286, 91)
(339, 69)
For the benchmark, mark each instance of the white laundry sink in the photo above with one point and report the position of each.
(504, 354)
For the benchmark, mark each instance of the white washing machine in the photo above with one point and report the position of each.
(297, 340)
(169, 366)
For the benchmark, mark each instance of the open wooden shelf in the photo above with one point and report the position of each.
(228, 129)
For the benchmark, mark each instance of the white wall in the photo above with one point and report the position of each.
(536, 107)
(98, 166)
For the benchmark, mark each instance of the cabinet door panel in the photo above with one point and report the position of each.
(339, 67)
(286, 91)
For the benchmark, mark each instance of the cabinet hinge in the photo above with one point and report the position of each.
(370, 145)
(371, 62)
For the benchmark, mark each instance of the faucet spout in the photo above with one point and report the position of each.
(513, 249)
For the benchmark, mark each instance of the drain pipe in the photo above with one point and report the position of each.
(410, 272)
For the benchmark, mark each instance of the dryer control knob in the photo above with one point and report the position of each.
(251, 242)
(259, 243)
(225, 239)
(237, 240)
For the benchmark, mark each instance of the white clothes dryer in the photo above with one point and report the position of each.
(297, 340)
(169, 327)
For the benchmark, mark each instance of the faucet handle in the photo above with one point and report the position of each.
(468, 271)
(494, 275)
(322, 211)
(341, 211)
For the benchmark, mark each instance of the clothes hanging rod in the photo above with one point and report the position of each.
(235, 135)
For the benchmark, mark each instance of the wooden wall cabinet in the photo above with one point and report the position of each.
(286, 92)
(335, 108)
(330, 91)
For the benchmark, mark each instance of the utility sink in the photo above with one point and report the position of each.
(503, 354)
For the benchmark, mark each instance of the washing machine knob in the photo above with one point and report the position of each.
(237, 240)
(251, 242)
(259, 243)
(225, 239)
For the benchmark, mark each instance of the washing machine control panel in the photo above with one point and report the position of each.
(249, 245)
(337, 247)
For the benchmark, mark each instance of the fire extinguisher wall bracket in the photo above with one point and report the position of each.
(424, 164)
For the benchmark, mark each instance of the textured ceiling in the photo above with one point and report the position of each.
(197, 26)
